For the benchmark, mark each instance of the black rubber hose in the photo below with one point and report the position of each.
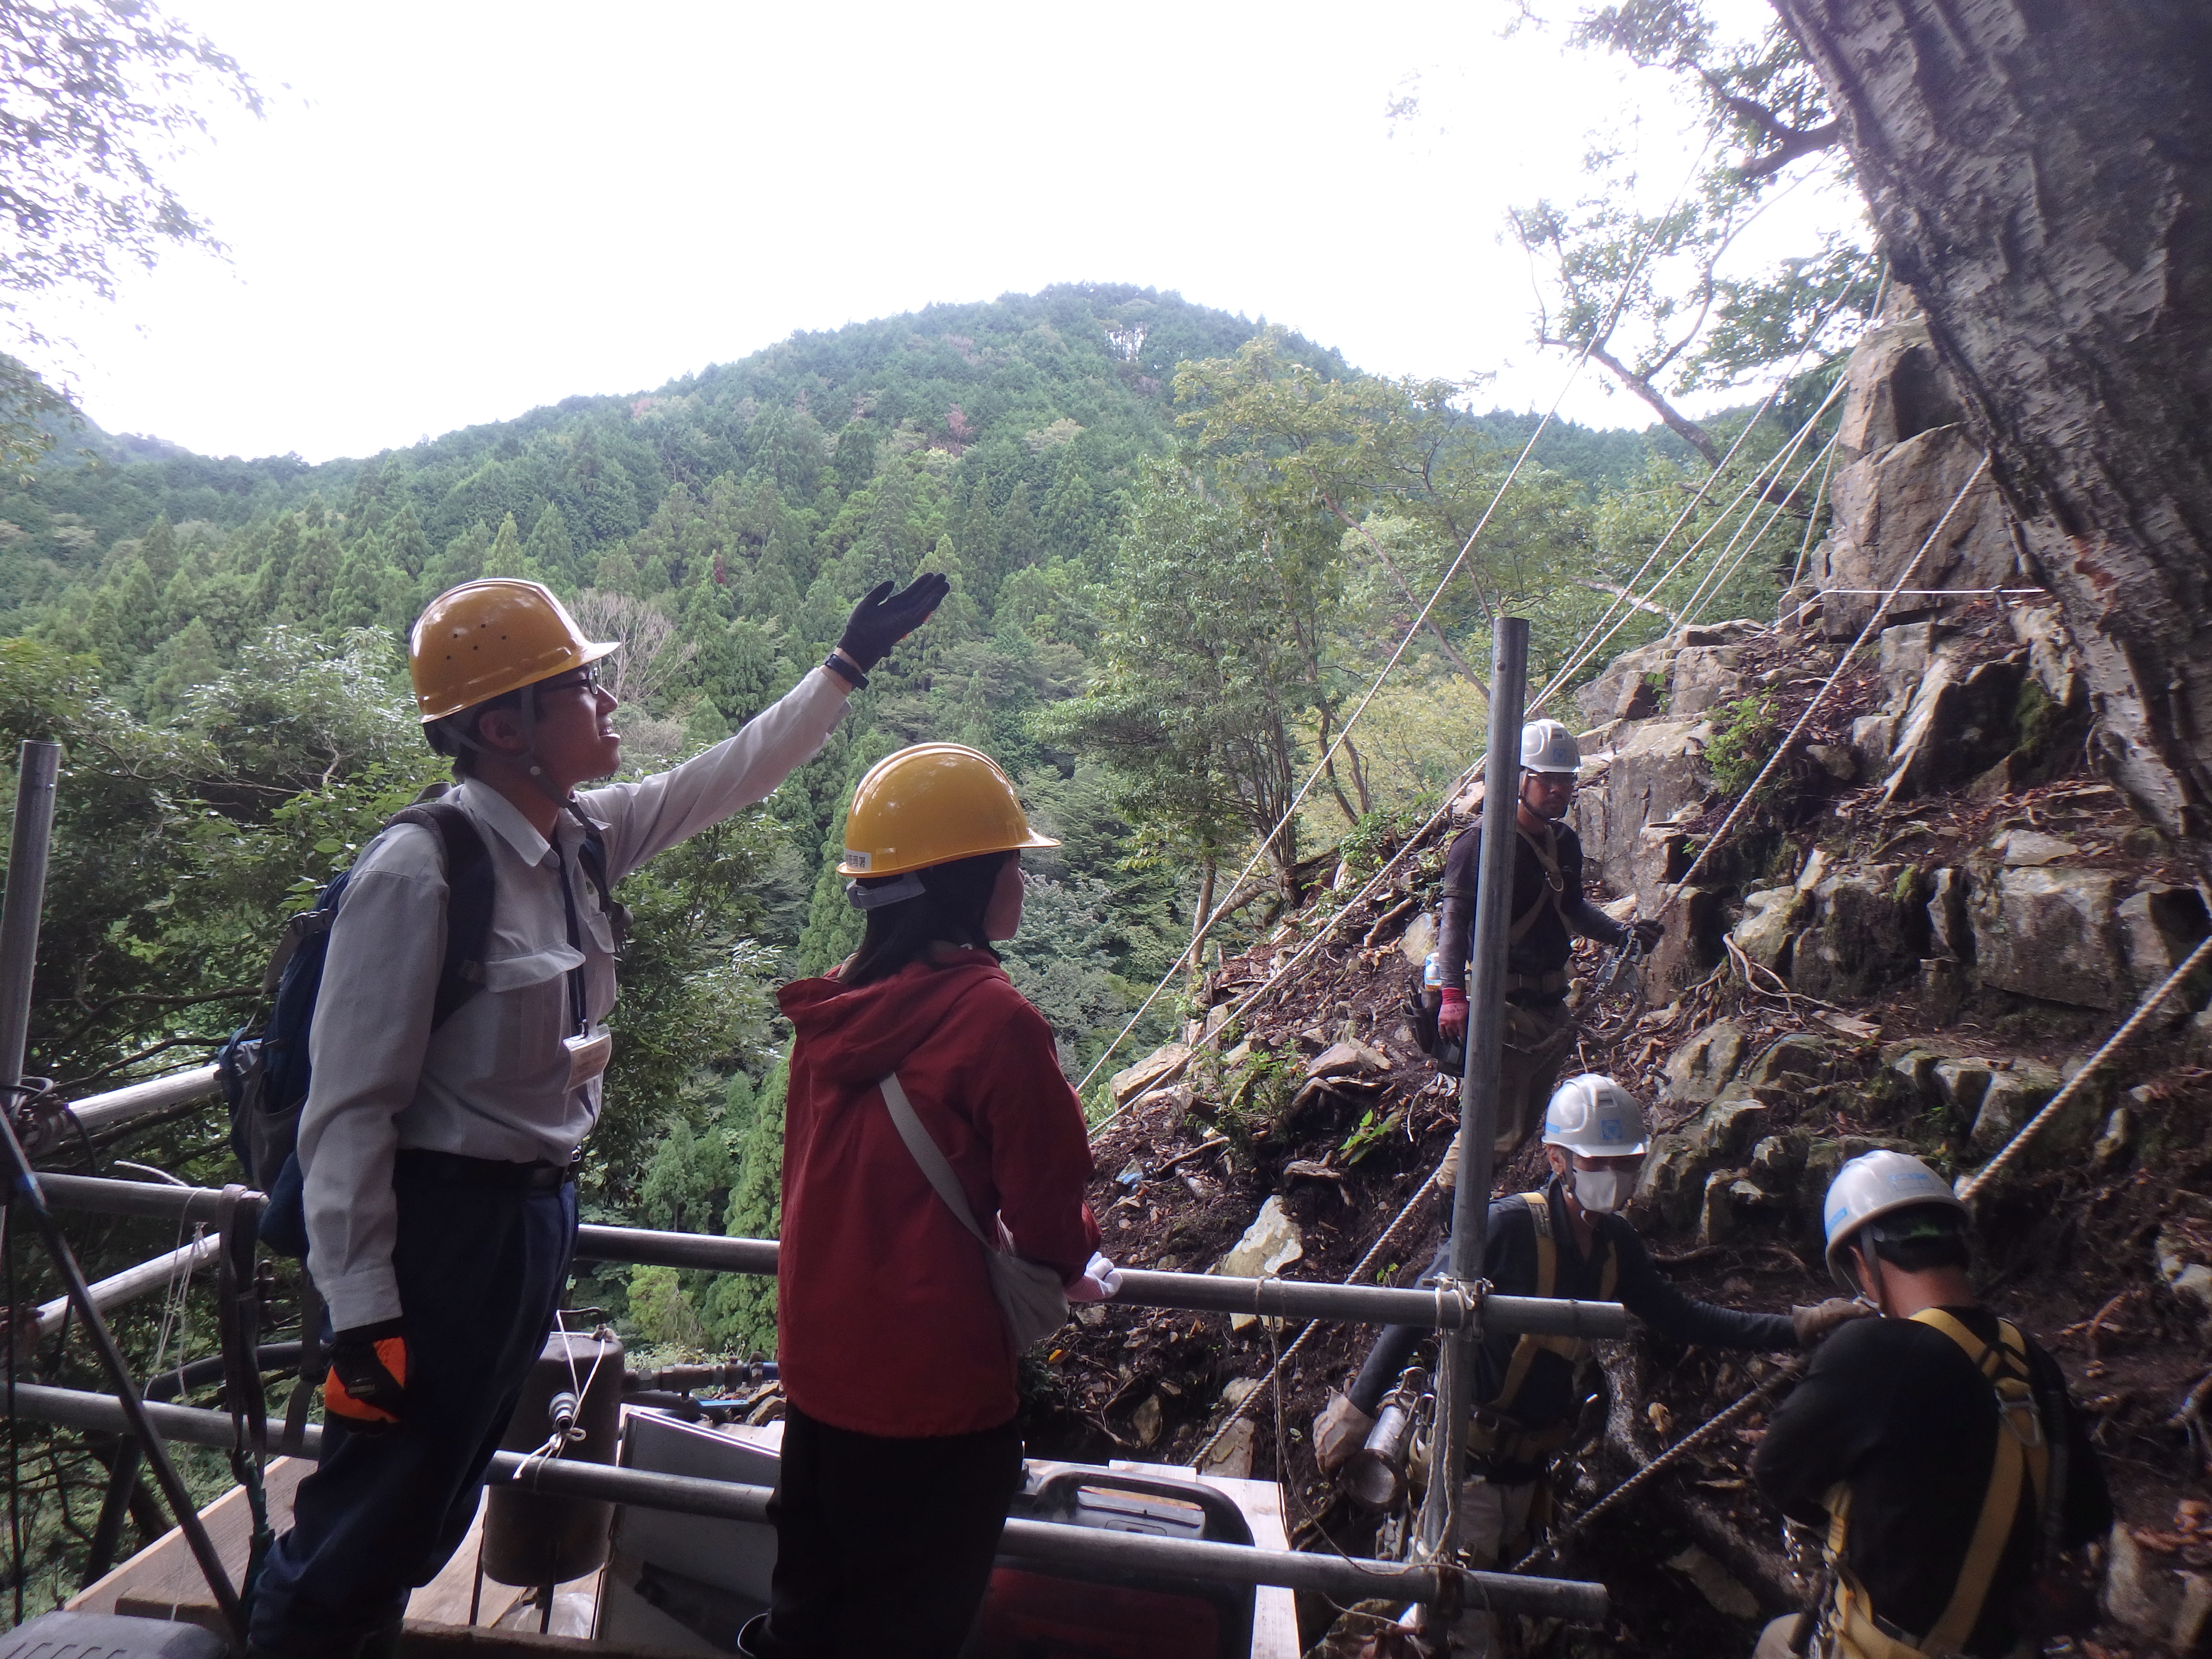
(272, 1356)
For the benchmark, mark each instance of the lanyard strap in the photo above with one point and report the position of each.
(575, 940)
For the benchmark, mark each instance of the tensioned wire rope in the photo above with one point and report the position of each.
(1628, 282)
(1873, 624)
(1593, 641)
(1740, 546)
(1238, 1411)
(1576, 657)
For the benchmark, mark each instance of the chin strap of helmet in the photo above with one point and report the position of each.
(527, 759)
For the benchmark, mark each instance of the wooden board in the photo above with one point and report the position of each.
(163, 1581)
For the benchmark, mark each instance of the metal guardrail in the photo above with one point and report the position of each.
(157, 1273)
(98, 1112)
(1282, 1298)
(1041, 1542)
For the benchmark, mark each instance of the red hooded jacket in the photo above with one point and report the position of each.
(886, 1323)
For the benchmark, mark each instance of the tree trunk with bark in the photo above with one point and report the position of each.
(2040, 174)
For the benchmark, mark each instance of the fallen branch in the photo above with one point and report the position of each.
(1374, 933)
(1620, 592)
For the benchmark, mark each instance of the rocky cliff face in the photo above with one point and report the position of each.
(1936, 910)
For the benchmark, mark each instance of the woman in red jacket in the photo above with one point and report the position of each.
(899, 1451)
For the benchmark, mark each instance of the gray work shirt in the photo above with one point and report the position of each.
(492, 1082)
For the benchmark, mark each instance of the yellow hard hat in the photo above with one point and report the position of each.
(484, 638)
(930, 805)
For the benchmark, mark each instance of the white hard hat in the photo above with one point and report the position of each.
(1548, 746)
(1595, 1117)
(1871, 1186)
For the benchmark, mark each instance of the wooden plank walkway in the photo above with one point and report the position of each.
(163, 1581)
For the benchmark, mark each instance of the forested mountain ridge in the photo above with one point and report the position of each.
(1181, 544)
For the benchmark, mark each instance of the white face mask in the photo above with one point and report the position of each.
(1601, 1191)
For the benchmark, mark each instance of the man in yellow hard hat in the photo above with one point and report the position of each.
(448, 1103)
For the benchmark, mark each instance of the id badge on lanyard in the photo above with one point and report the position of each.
(588, 1057)
(588, 1051)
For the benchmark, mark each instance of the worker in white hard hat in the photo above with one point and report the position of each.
(1569, 1240)
(1549, 907)
(1935, 1445)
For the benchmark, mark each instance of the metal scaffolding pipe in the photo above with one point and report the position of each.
(1483, 1046)
(1042, 1542)
(1357, 1304)
(19, 946)
(38, 769)
(156, 1201)
(98, 1112)
(153, 1274)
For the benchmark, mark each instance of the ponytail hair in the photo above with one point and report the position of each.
(949, 909)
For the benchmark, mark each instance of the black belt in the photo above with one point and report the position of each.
(451, 1168)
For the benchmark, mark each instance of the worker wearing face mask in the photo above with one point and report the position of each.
(1569, 1240)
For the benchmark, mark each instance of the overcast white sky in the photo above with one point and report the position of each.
(459, 210)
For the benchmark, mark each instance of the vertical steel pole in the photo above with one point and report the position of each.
(19, 916)
(1478, 1088)
(19, 949)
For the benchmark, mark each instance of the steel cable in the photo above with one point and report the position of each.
(1198, 932)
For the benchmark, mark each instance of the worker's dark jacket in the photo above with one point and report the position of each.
(1548, 1396)
(1896, 1411)
(1545, 945)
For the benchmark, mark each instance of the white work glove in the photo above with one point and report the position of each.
(1340, 1430)
(1099, 1280)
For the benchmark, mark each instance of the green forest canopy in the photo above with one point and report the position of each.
(219, 644)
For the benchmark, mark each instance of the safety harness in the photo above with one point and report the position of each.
(2022, 1460)
(1495, 1435)
(1552, 896)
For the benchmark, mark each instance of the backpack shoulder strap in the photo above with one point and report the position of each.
(936, 1168)
(468, 900)
(2021, 1457)
(593, 856)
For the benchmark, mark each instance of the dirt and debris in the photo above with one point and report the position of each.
(1323, 1106)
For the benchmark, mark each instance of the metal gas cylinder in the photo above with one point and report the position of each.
(530, 1538)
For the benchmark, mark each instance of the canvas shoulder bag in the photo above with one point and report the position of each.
(1029, 1294)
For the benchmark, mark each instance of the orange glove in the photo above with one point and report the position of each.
(367, 1387)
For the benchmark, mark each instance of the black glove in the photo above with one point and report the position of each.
(367, 1387)
(1648, 933)
(883, 618)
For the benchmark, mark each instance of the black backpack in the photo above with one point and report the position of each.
(263, 1070)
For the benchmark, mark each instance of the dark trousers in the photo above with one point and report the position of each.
(1393, 1349)
(481, 1273)
(883, 1546)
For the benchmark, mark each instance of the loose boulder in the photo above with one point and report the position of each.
(1702, 1067)
(1772, 918)
(2053, 935)
(1270, 1244)
(1657, 777)
(1869, 928)
(2010, 1097)
(1704, 676)
(1163, 1064)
